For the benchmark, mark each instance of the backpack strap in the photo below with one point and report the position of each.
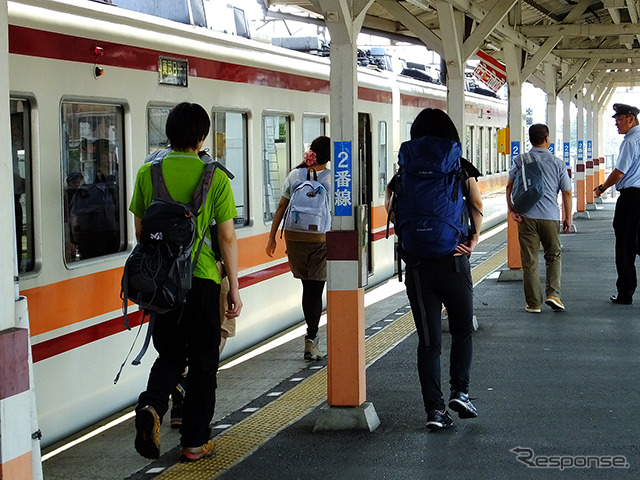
(200, 198)
(160, 190)
(144, 347)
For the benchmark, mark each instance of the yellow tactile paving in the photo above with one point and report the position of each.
(242, 439)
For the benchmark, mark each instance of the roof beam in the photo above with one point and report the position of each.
(581, 30)
(430, 39)
(606, 53)
(469, 8)
(584, 73)
(485, 27)
(568, 76)
(546, 48)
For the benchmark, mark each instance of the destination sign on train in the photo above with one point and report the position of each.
(172, 71)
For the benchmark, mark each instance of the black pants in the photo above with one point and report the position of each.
(626, 225)
(447, 281)
(312, 305)
(188, 337)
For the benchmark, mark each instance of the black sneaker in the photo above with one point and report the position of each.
(459, 402)
(621, 301)
(437, 419)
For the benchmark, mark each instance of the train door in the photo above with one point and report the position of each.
(365, 195)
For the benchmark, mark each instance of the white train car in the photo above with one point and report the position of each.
(91, 86)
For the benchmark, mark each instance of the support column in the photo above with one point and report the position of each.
(346, 389)
(550, 87)
(580, 178)
(566, 130)
(451, 30)
(590, 165)
(513, 60)
(19, 444)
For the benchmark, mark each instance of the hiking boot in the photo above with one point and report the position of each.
(437, 419)
(311, 350)
(555, 304)
(191, 454)
(177, 401)
(459, 402)
(147, 441)
(533, 309)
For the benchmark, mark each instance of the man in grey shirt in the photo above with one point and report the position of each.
(541, 223)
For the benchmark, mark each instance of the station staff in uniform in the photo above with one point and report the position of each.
(626, 220)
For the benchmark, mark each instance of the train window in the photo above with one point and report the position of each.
(157, 121)
(22, 182)
(93, 180)
(276, 148)
(382, 158)
(230, 149)
(312, 128)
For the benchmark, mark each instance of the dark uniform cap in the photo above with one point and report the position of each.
(622, 109)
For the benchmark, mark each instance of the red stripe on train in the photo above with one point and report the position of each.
(39, 43)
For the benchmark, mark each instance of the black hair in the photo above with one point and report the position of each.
(435, 123)
(538, 132)
(321, 146)
(187, 124)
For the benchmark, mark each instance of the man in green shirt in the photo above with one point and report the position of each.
(189, 336)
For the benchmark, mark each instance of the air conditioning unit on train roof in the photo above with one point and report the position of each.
(300, 44)
(218, 15)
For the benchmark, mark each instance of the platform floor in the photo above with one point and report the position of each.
(555, 391)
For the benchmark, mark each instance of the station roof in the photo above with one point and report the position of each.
(593, 43)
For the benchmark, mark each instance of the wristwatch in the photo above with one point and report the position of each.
(601, 188)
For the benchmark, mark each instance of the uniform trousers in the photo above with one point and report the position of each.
(626, 225)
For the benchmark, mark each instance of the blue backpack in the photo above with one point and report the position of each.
(429, 211)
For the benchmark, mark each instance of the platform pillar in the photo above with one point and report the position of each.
(513, 59)
(19, 451)
(346, 383)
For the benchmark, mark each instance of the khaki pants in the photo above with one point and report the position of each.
(531, 233)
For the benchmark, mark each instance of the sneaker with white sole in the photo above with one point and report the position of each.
(533, 309)
(459, 402)
(312, 350)
(555, 304)
(191, 454)
(438, 419)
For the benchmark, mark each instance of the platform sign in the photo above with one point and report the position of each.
(580, 150)
(515, 150)
(589, 149)
(552, 148)
(490, 71)
(343, 179)
(566, 153)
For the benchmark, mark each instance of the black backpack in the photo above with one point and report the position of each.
(157, 274)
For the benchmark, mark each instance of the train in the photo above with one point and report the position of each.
(91, 86)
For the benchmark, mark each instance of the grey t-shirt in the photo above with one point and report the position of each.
(555, 178)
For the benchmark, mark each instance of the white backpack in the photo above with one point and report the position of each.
(308, 209)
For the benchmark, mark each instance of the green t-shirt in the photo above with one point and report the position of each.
(182, 172)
